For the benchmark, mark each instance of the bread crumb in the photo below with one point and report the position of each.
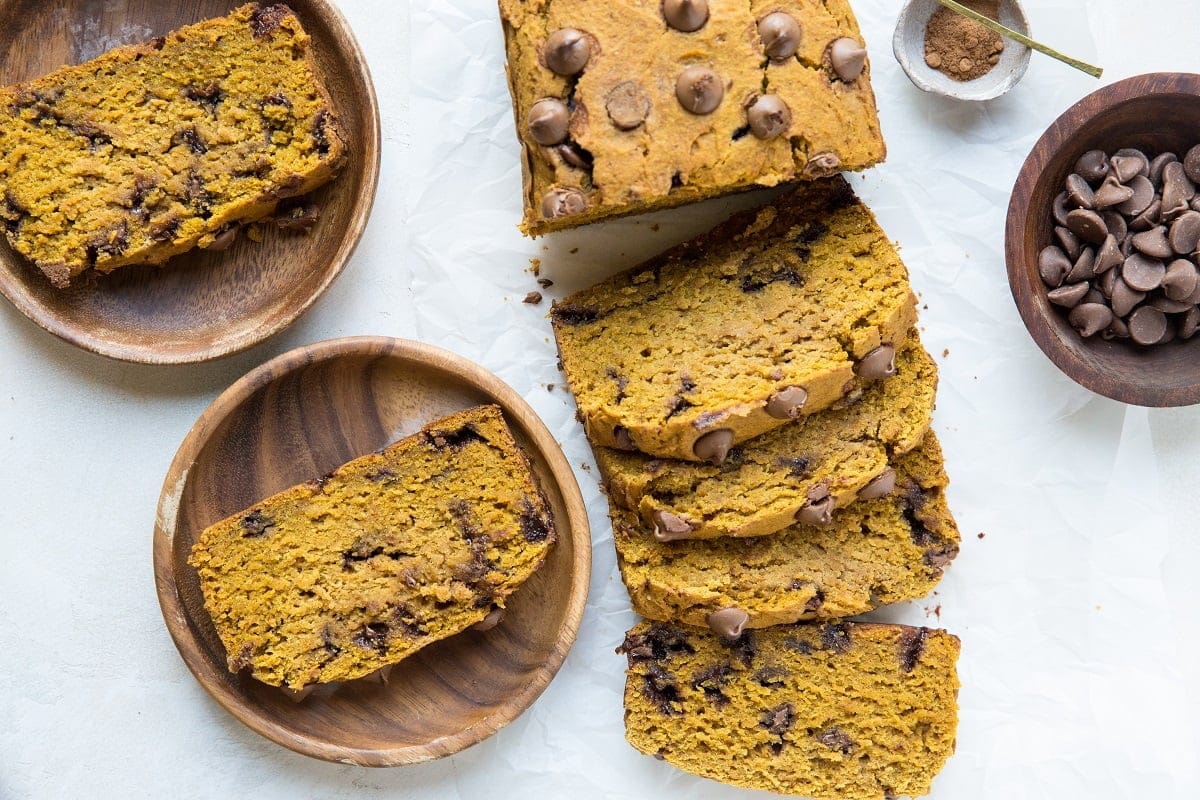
(946, 352)
(535, 266)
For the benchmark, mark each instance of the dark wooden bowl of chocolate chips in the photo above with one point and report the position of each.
(1102, 241)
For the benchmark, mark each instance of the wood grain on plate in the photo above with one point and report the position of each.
(299, 416)
(1156, 113)
(200, 305)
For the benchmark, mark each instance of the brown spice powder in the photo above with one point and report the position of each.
(961, 48)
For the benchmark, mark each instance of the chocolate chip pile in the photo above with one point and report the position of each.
(1125, 262)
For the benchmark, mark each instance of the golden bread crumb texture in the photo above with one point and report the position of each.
(775, 314)
(153, 149)
(630, 105)
(339, 577)
(880, 550)
(844, 711)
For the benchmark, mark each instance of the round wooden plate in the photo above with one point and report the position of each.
(200, 305)
(299, 416)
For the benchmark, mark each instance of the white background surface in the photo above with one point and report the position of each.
(1077, 611)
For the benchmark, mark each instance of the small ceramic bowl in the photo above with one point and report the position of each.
(909, 46)
(1154, 113)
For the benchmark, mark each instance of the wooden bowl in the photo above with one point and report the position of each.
(1155, 113)
(908, 45)
(299, 416)
(200, 305)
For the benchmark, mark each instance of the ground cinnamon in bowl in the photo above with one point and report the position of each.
(961, 48)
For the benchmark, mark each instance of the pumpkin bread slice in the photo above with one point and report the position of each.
(337, 578)
(845, 711)
(777, 313)
(153, 149)
(798, 473)
(876, 552)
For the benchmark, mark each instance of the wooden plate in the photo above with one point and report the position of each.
(299, 416)
(200, 305)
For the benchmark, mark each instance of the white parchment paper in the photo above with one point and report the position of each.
(1074, 593)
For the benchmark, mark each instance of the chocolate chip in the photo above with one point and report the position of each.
(816, 512)
(298, 217)
(563, 202)
(787, 403)
(699, 90)
(1087, 225)
(835, 739)
(768, 116)
(165, 230)
(574, 155)
(622, 440)
(1111, 193)
(685, 15)
(1158, 165)
(728, 623)
(780, 34)
(822, 165)
(878, 364)
(494, 618)
(1180, 280)
(1147, 325)
(660, 689)
(1115, 330)
(567, 52)
(1191, 164)
(848, 58)
(713, 447)
(265, 21)
(798, 468)
(1092, 165)
(1143, 196)
(711, 681)
(670, 527)
(548, 121)
(1068, 296)
(1184, 234)
(1128, 163)
(1079, 193)
(1153, 243)
(191, 138)
(373, 636)
(627, 105)
(257, 525)
(1177, 192)
(1083, 267)
(1115, 223)
(1167, 305)
(225, 238)
(1148, 218)
(881, 486)
(321, 133)
(1068, 241)
(1090, 318)
(1060, 208)
(536, 526)
(209, 96)
(1143, 273)
(836, 637)
(574, 315)
(779, 720)
(912, 646)
(659, 643)
(1190, 323)
(1053, 266)
(1109, 256)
